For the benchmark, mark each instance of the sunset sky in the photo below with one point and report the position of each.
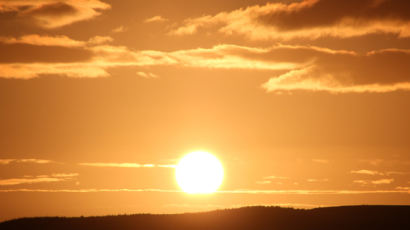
(305, 103)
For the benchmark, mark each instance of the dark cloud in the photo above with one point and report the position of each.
(310, 19)
(321, 13)
(377, 71)
(49, 14)
(382, 67)
(56, 9)
(377, 67)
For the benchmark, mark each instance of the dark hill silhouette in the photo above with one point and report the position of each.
(252, 218)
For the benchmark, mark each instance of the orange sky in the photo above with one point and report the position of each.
(306, 103)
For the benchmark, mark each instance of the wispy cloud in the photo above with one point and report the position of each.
(313, 192)
(270, 179)
(276, 178)
(321, 161)
(17, 181)
(373, 172)
(361, 182)
(98, 40)
(147, 74)
(403, 188)
(382, 181)
(43, 40)
(126, 165)
(58, 40)
(62, 175)
(312, 180)
(36, 161)
(374, 182)
(157, 18)
(38, 179)
(119, 29)
(366, 172)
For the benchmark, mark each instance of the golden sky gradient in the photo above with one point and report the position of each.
(306, 103)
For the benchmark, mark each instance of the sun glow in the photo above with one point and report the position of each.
(199, 172)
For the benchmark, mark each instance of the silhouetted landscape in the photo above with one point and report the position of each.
(346, 217)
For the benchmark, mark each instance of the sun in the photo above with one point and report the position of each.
(199, 172)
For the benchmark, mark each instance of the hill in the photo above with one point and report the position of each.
(258, 218)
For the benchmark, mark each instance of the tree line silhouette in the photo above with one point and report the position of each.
(252, 218)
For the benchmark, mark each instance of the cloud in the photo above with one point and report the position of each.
(157, 18)
(402, 188)
(94, 60)
(383, 181)
(147, 75)
(119, 29)
(309, 19)
(97, 40)
(36, 161)
(38, 179)
(366, 172)
(126, 165)
(346, 72)
(17, 181)
(32, 70)
(362, 182)
(217, 57)
(312, 180)
(65, 175)
(301, 80)
(50, 14)
(375, 182)
(34, 55)
(276, 178)
(263, 182)
(306, 68)
(57, 40)
(270, 179)
(314, 192)
(41, 40)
